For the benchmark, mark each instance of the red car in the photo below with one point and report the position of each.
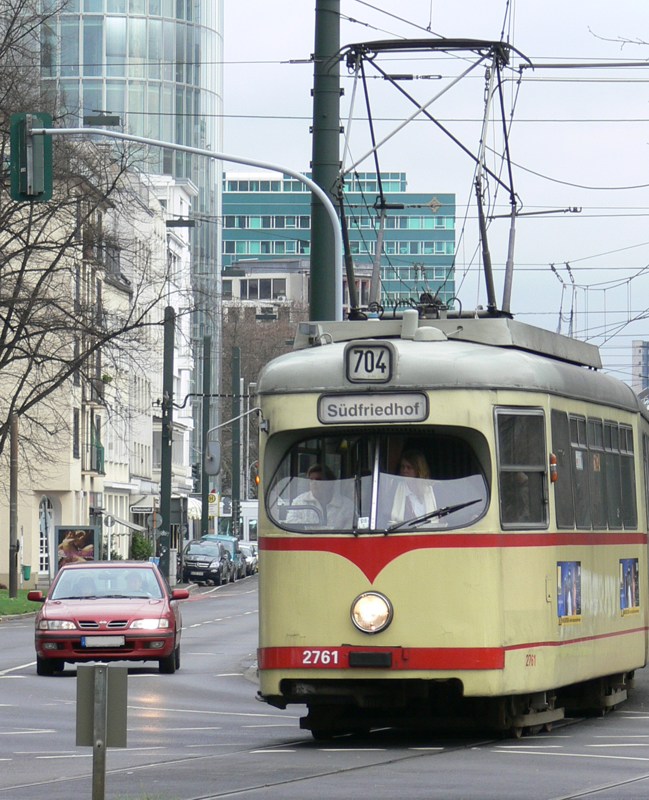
(108, 611)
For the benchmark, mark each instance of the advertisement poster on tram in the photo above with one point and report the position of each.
(569, 591)
(629, 586)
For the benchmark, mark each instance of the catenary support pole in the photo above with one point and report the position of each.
(205, 478)
(325, 162)
(236, 438)
(166, 460)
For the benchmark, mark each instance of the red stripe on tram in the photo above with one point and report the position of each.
(410, 658)
(371, 554)
(401, 658)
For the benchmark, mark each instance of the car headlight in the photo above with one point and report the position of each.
(215, 564)
(56, 625)
(371, 612)
(149, 624)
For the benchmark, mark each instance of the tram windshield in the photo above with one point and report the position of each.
(374, 482)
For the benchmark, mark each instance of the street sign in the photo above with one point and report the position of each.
(109, 521)
(154, 520)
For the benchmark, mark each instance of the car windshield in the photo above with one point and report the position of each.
(80, 584)
(202, 549)
(387, 482)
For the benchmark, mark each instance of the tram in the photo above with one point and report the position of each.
(512, 590)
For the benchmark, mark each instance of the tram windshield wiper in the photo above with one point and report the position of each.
(438, 512)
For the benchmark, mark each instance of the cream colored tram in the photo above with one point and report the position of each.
(513, 590)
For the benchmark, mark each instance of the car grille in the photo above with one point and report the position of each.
(93, 625)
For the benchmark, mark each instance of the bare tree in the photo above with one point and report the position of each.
(259, 341)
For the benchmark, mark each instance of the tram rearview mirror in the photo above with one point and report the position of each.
(212, 459)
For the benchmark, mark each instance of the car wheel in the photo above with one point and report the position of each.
(185, 577)
(48, 666)
(167, 665)
(177, 657)
(217, 579)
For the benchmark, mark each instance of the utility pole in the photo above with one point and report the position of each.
(167, 438)
(236, 439)
(13, 506)
(205, 478)
(325, 163)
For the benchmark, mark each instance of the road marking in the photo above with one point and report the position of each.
(27, 732)
(513, 751)
(5, 672)
(621, 744)
(73, 755)
(256, 752)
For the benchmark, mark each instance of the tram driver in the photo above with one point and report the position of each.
(323, 505)
(414, 496)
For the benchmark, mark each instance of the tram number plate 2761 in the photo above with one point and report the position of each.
(320, 658)
(369, 362)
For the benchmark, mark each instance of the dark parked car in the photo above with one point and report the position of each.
(206, 561)
(231, 545)
(108, 611)
(249, 552)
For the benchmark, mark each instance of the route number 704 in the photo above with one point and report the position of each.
(369, 363)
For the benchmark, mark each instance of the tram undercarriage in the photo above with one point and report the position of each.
(336, 707)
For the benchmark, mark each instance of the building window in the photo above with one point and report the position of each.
(76, 433)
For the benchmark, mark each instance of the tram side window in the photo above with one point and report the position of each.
(564, 505)
(645, 464)
(581, 491)
(597, 473)
(613, 474)
(521, 457)
(627, 474)
(595, 487)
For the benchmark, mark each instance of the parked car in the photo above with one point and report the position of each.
(249, 551)
(231, 544)
(206, 561)
(108, 611)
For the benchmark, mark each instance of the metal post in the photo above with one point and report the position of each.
(13, 506)
(205, 478)
(99, 733)
(325, 156)
(236, 438)
(167, 438)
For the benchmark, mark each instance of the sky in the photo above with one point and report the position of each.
(578, 121)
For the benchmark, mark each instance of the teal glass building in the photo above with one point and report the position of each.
(266, 217)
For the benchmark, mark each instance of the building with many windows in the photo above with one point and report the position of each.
(267, 217)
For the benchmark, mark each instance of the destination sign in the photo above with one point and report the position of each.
(364, 409)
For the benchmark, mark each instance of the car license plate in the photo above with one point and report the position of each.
(196, 572)
(102, 641)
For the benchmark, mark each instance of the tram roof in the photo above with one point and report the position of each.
(470, 354)
(498, 332)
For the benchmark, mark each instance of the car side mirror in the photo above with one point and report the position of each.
(179, 594)
(36, 596)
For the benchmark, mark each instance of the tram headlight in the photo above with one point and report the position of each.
(371, 612)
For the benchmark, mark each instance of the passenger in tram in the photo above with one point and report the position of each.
(414, 496)
(323, 505)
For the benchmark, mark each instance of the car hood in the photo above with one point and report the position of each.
(109, 607)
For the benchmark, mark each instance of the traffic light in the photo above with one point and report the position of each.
(31, 158)
(196, 477)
